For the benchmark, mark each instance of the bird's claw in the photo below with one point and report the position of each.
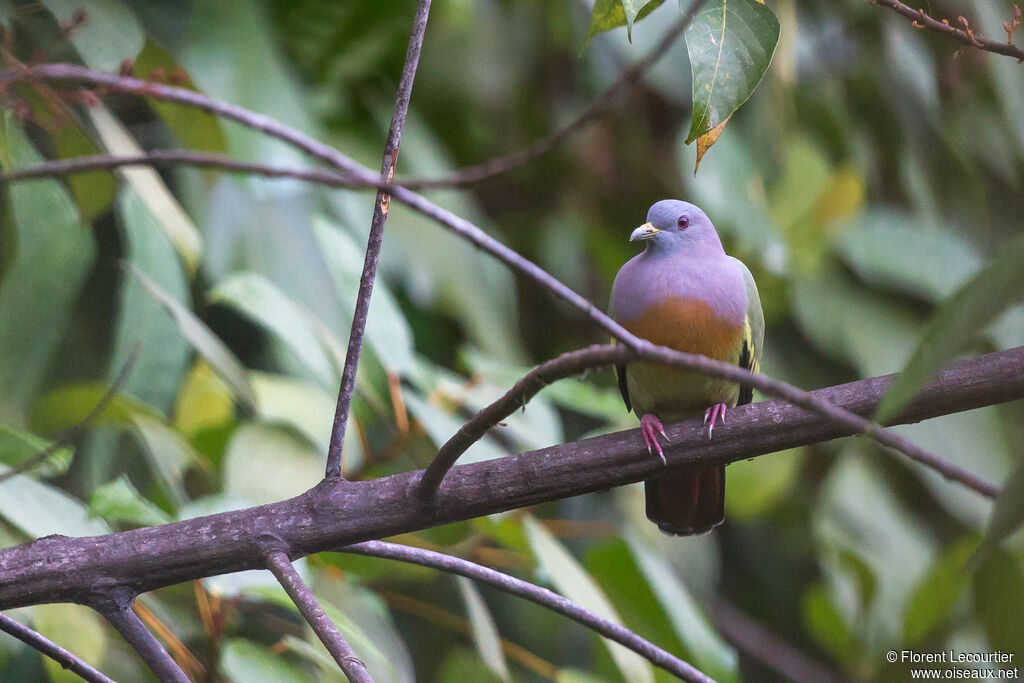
(714, 414)
(650, 427)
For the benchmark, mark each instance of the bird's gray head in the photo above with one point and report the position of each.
(674, 226)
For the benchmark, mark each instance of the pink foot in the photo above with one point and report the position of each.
(713, 414)
(650, 427)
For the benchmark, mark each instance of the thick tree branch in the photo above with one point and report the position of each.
(534, 593)
(965, 34)
(122, 617)
(510, 257)
(499, 165)
(575, 362)
(52, 650)
(373, 244)
(326, 631)
(339, 513)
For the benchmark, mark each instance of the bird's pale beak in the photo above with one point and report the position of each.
(644, 232)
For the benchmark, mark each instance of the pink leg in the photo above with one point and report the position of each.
(713, 414)
(650, 427)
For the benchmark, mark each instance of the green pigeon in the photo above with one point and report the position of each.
(684, 292)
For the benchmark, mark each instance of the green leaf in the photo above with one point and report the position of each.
(75, 628)
(141, 323)
(119, 501)
(169, 453)
(244, 660)
(262, 301)
(37, 509)
(47, 255)
(572, 581)
(730, 43)
(265, 463)
(485, 633)
(69, 405)
(163, 207)
(109, 34)
(1007, 513)
(932, 601)
(826, 624)
(203, 340)
(609, 14)
(710, 653)
(756, 486)
(957, 321)
(197, 130)
(999, 601)
(16, 446)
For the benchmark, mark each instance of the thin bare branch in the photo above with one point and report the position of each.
(52, 650)
(339, 513)
(542, 596)
(75, 431)
(469, 232)
(767, 648)
(373, 244)
(503, 164)
(123, 618)
(965, 34)
(575, 362)
(326, 631)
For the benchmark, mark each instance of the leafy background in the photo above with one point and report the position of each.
(874, 171)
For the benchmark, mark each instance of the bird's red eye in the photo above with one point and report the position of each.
(683, 222)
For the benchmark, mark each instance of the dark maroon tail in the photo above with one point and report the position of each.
(684, 501)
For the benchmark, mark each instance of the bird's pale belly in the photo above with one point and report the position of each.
(684, 325)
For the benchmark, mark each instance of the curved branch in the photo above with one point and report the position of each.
(338, 513)
(575, 362)
(52, 650)
(542, 596)
(123, 618)
(965, 35)
(478, 238)
(470, 232)
(503, 164)
(353, 668)
(374, 242)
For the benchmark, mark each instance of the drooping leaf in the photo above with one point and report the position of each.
(956, 321)
(935, 596)
(119, 501)
(1008, 512)
(162, 206)
(261, 300)
(999, 601)
(143, 327)
(485, 633)
(204, 401)
(730, 43)
(566, 574)
(711, 654)
(48, 253)
(609, 14)
(204, 341)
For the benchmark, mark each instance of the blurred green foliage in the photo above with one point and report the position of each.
(875, 170)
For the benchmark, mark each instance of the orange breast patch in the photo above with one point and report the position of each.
(688, 325)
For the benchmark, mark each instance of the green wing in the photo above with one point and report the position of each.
(753, 334)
